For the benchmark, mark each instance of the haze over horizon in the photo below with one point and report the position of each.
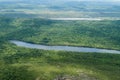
(60, 8)
(69, 0)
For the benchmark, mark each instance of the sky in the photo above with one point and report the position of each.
(95, 0)
(71, 0)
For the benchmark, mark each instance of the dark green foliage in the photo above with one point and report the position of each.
(101, 34)
(20, 55)
(16, 73)
(104, 64)
(47, 65)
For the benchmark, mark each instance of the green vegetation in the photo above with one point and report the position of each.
(101, 34)
(17, 63)
(21, 63)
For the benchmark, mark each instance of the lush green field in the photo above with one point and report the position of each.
(17, 63)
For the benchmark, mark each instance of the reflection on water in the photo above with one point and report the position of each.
(63, 48)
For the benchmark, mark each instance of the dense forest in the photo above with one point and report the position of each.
(18, 63)
(101, 34)
(31, 21)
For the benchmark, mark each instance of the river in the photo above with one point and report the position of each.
(63, 48)
(79, 19)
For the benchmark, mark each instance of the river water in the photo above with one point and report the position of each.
(63, 48)
(80, 19)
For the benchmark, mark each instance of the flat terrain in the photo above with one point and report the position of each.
(86, 23)
(59, 8)
(20, 63)
(74, 33)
